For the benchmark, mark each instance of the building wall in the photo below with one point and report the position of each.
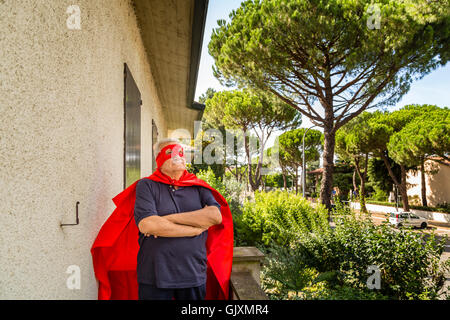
(61, 137)
(437, 185)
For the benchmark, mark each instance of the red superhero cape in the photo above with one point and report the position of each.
(114, 252)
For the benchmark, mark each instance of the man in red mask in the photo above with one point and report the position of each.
(179, 244)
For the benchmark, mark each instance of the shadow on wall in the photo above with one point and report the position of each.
(438, 184)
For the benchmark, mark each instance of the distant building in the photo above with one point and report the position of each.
(437, 185)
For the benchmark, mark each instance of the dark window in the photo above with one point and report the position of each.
(132, 130)
(154, 139)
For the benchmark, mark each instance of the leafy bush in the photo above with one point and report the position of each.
(228, 187)
(307, 259)
(379, 195)
(287, 274)
(275, 180)
(278, 217)
(409, 264)
(333, 263)
(443, 206)
(413, 200)
(231, 190)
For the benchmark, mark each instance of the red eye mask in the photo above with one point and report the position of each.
(168, 152)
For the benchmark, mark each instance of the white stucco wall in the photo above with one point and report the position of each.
(437, 183)
(61, 137)
(431, 215)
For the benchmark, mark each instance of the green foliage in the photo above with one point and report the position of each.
(444, 206)
(230, 189)
(278, 217)
(249, 109)
(427, 134)
(287, 275)
(378, 177)
(241, 112)
(327, 263)
(215, 182)
(356, 138)
(379, 195)
(212, 145)
(276, 180)
(343, 179)
(292, 47)
(308, 51)
(207, 95)
(291, 144)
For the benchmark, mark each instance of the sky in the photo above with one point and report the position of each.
(434, 88)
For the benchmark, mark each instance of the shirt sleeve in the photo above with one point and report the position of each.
(207, 198)
(144, 205)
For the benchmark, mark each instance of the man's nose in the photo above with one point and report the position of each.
(177, 157)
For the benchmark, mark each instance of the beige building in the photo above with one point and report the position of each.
(85, 88)
(437, 182)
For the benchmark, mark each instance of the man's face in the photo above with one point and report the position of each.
(176, 161)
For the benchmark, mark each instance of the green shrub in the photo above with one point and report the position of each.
(231, 190)
(228, 187)
(409, 264)
(443, 206)
(333, 263)
(278, 217)
(379, 195)
(287, 274)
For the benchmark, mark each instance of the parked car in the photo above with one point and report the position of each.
(399, 219)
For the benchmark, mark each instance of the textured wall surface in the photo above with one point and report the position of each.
(61, 137)
(437, 184)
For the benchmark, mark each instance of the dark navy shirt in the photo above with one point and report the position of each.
(171, 262)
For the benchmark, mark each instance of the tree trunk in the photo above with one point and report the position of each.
(249, 164)
(362, 189)
(364, 177)
(423, 183)
(328, 166)
(284, 181)
(246, 184)
(355, 187)
(400, 184)
(403, 190)
(388, 166)
(258, 178)
(316, 185)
